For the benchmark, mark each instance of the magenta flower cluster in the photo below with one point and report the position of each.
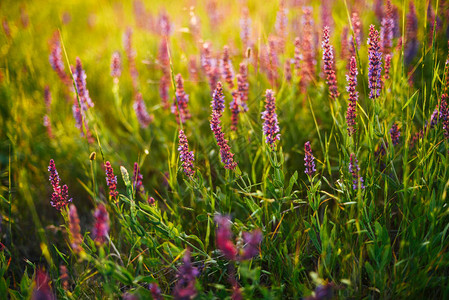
(60, 196)
(111, 180)
(309, 160)
(395, 134)
(375, 63)
(101, 228)
(227, 158)
(180, 102)
(353, 96)
(141, 111)
(270, 126)
(187, 274)
(185, 155)
(354, 169)
(328, 60)
(116, 65)
(79, 77)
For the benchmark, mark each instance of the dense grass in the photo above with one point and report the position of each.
(386, 240)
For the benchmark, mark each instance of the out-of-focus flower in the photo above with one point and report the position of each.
(307, 48)
(357, 28)
(116, 65)
(228, 72)
(353, 97)
(273, 61)
(155, 291)
(42, 289)
(79, 76)
(411, 34)
(386, 30)
(309, 160)
(187, 274)
(180, 102)
(55, 59)
(101, 227)
(270, 126)
(281, 26)
(235, 110)
(138, 180)
(243, 86)
(329, 63)
(375, 63)
(131, 54)
(395, 134)
(164, 64)
(141, 111)
(252, 241)
(354, 169)
(185, 155)
(64, 277)
(60, 196)
(245, 28)
(323, 292)
(111, 180)
(224, 237)
(76, 239)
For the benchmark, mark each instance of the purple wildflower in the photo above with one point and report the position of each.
(76, 239)
(395, 134)
(375, 63)
(101, 227)
(116, 65)
(210, 66)
(252, 241)
(354, 169)
(386, 30)
(155, 291)
(55, 59)
(245, 28)
(273, 61)
(141, 111)
(298, 56)
(138, 180)
(227, 68)
(111, 180)
(164, 62)
(307, 47)
(218, 102)
(42, 289)
(227, 157)
(180, 102)
(79, 76)
(164, 25)
(387, 66)
(185, 155)
(131, 55)
(235, 110)
(224, 237)
(323, 292)
(353, 96)
(357, 28)
(328, 59)
(411, 34)
(281, 26)
(309, 160)
(187, 274)
(326, 13)
(270, 126)
(60, 196)
(243, 86)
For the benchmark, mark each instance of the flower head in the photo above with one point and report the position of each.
(243, 86)
(187, 274)
(111, 180)
(180, 102)
(309, 160)
(185, 155)
(354, 169)
(252, 241)
(395, 134)
(101, 227)
(79, 76)
(270, 126)
(141, 111)
(224, 237)
(116, 65)
(375, 63)
(328, 59)
(60, 196)
(353, 96)
(227, 67)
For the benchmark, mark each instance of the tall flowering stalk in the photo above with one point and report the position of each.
(411, 34)
(111, 180)
(243, 86)
(273, 62)
(210, 66)
(357, 36)
(354, 169)
(326, 13)
(185, 155)
(395, 134)
(387, 66)
(116, 65)
(245, 28)
(131, 55)
(353, 96)
(138, 180)
(187, 274)
(223, 237)
(55, 59)
(79, 76)
(76, 239)
(141, 111)
(47, 123)
(228, 72)
(309, 160)
(235, 110)
(375, 63)
(297, 56)
(180, 102)
(386, 30)
(227, 157)
(164, 64)
(281, 26)
(329, 63)
(270, 126)
(60, 196)
(307, 49)
(101, 227)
